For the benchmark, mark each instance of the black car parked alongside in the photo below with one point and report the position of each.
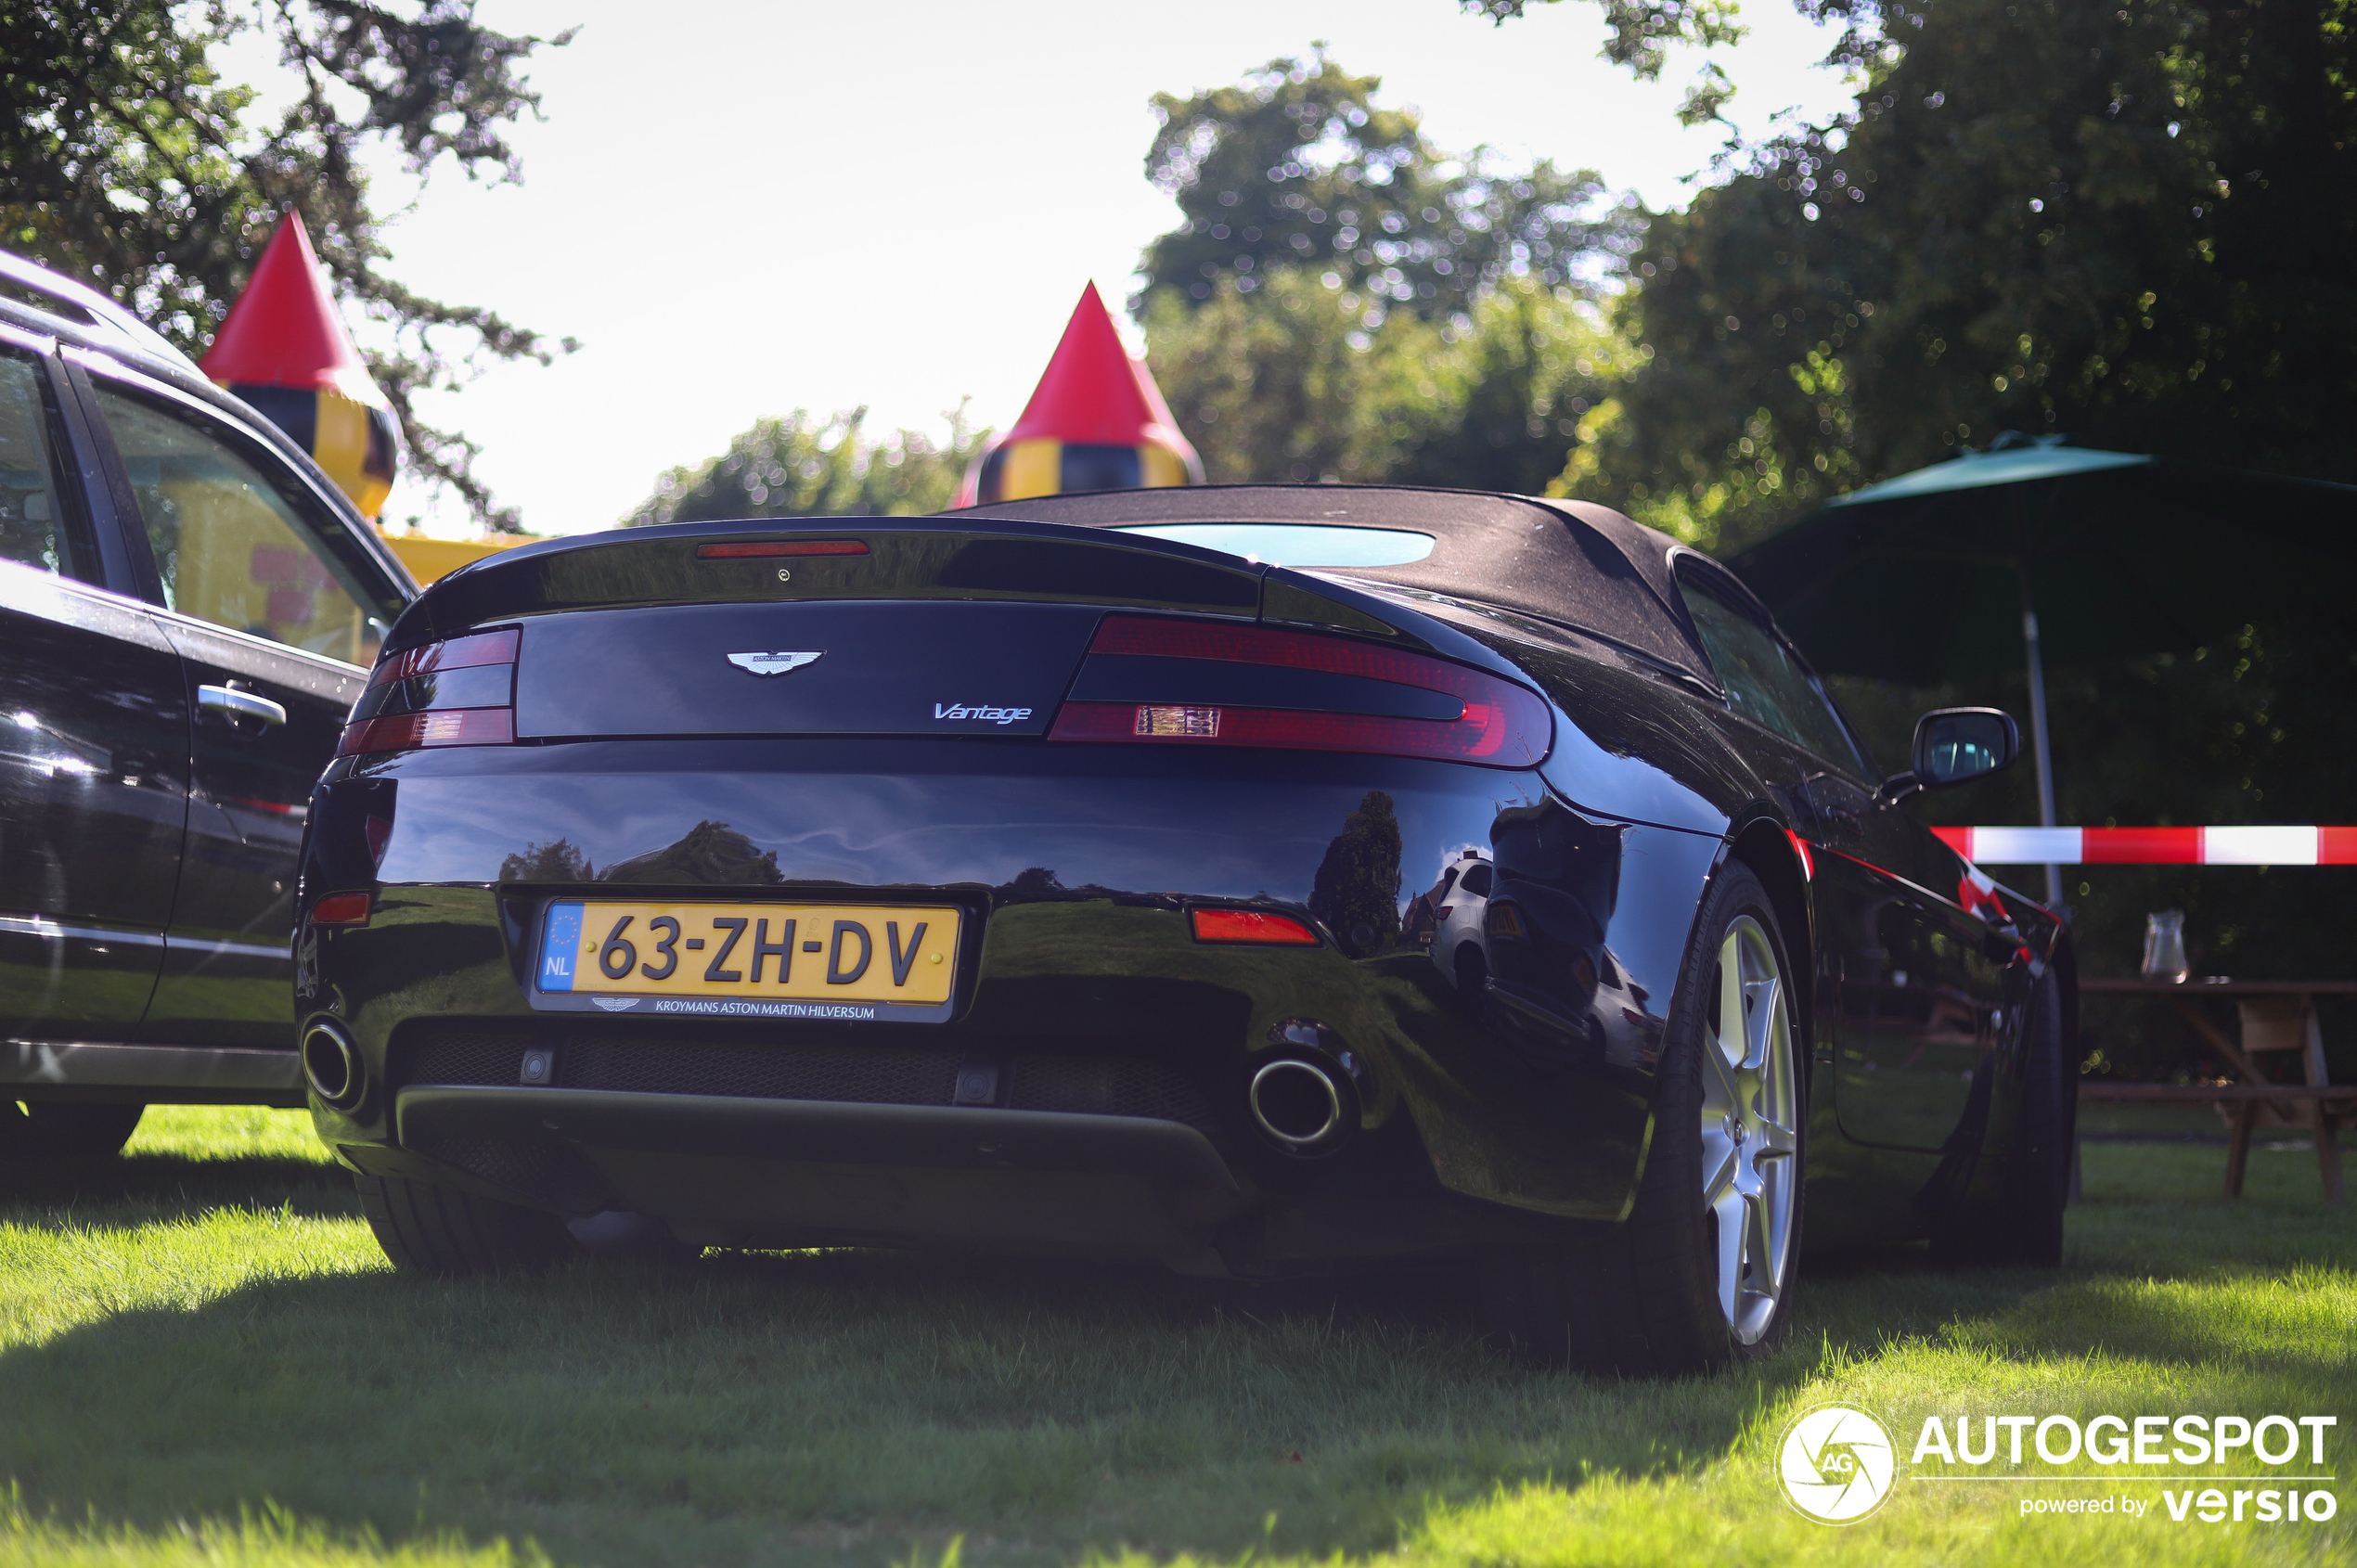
(187, 609)
(1498, 886)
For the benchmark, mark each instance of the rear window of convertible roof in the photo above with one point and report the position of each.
(1297, 544)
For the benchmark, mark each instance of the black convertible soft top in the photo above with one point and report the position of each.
(1569, 561)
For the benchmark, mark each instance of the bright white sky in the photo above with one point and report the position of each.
(742, 209)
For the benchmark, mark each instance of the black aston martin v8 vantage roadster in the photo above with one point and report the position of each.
(1489, 883)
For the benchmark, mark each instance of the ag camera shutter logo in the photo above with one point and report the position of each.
(1836, 1463)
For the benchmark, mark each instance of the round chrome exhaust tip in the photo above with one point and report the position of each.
(331, 1065)
(1300, 1104)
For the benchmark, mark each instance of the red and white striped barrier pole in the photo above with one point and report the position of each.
(2154, 846)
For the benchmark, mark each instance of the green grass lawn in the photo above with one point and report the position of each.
(204, 1360)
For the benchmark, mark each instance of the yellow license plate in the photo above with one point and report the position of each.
(772, 960)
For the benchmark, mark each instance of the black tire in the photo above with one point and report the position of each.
(45, 1135)
(443, 1230)
(2025, 1230)
(1641, 1298)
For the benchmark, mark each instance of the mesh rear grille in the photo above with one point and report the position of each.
(450, 1057)
(507, 1164)
(865, 1075)
(1107, 1086)
(885, 1076)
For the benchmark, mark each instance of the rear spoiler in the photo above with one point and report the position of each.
(917, 558)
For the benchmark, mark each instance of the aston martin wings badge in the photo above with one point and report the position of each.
(771, 663)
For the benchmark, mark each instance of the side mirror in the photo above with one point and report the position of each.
(1956, 746)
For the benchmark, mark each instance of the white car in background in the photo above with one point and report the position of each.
(1460, 939)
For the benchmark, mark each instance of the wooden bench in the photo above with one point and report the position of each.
(2275, 1016)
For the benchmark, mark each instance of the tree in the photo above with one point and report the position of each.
(1340, 301)
(2137, 228)
(1641, 31)
(1296, 166)
(122, 99)
(1293, 381)
(555, 861)
(1300, 380)
(712, 854)
(1527, 367)
(802, 466)
(1356, 892)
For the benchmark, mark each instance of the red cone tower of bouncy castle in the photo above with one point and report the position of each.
(284, 349)
(1096, 421)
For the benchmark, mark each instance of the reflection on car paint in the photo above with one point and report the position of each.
(93, 761)
(1084, 937)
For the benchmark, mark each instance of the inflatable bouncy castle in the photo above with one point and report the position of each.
(1096, 421)
(284, 349)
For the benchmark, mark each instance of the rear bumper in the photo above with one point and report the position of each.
(928, 1137)
(726, 1171)
(1480, 1112)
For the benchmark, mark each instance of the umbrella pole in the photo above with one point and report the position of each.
(2039, 751)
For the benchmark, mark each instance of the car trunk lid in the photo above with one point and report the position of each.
(845, 626)
(813, 668)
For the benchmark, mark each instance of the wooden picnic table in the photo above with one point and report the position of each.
(2276, 1015)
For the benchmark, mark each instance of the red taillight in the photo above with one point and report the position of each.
(1252, 925)
(458, 653)
(453, 727)
(754, 548)
(456, 693)
(341, 909)
(1501, 725)
(1264, 645)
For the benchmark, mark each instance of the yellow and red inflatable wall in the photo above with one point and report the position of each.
(284, 349)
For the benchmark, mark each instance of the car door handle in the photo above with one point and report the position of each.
(240, 704)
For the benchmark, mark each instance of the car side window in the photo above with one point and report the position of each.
(232, 547)
(1763, 680)
(36, 529)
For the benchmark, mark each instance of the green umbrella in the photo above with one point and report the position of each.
(2034, 553)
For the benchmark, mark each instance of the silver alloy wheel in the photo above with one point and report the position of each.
(1750, 1118)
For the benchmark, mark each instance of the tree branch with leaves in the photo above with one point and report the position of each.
(128, 163)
